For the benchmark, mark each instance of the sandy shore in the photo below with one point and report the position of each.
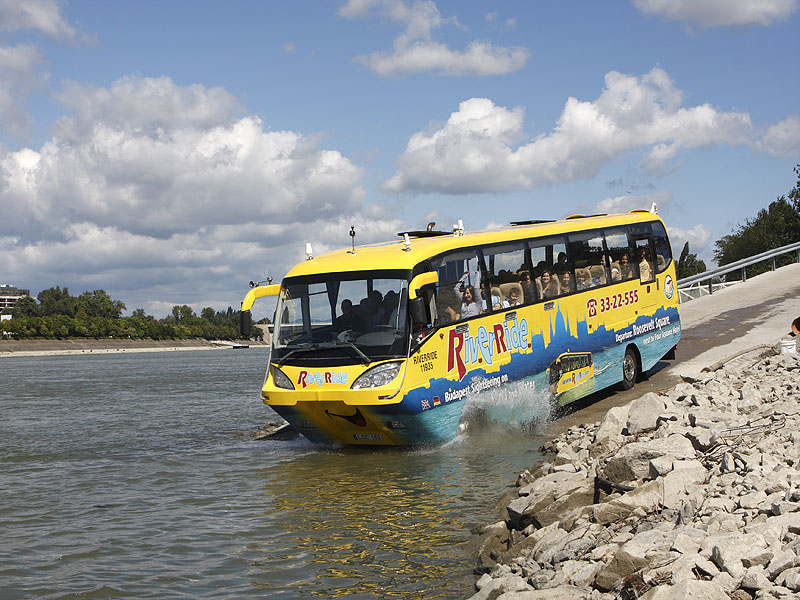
(19, 348)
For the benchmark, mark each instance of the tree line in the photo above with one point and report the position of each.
(56, 314)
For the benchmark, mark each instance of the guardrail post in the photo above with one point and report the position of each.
(710, 286)
(744, 274)
(773, 263)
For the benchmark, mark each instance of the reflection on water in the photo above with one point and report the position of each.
(132, 476)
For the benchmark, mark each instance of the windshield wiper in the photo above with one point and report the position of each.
(311, 346)
(304, 348)
(364, 358)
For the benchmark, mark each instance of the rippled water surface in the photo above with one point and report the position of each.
(135, 476)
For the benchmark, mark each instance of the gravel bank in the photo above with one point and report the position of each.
(690, 493)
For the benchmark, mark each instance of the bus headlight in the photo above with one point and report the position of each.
(280, 379)
(377, 376)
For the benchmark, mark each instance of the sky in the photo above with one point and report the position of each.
(170, 152)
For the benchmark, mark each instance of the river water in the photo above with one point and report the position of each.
(136, 476)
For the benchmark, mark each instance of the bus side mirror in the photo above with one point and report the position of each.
(244, 323)
(421, 281)
(417, 309)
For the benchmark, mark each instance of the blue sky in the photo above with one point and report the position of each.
(169, 152)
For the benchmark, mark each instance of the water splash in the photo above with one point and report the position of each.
(516, 405)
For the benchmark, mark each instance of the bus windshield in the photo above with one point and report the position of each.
(341, 318)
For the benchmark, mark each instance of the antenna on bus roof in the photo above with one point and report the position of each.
(654, 208)
(407, 242)
(458, 228)
(353, 238)
(431, 225)
(309, 251)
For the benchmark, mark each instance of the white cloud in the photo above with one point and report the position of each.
(623, 204)
(21, 74)
(718, 13)
(151, 157)
(149, 190)
(415, 51)
(40, 15)
(782, 139)
(699, 238)
(478, 149)
(20, 77)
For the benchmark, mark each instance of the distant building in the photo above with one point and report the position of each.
(10, 294)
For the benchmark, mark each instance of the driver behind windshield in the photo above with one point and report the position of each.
(348, 320)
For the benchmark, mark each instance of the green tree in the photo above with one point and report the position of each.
(25, 306)
(183, 312)
(140, 314)
(55, 301)
(688, 264)
(773, 227)
(99, 304)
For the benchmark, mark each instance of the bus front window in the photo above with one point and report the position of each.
(340, 319)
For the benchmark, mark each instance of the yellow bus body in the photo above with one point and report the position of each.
(493, 352)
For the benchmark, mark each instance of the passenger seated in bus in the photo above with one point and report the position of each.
(527, 286)
(495, 298)
(513, 298)
(376, 312)
(616, 273)
(598, 274)
(565, 281)
(389, 307)
(469, 304)
(645, 271)
(348, 320)
(625, 268)
(582, 279)
(550, 286)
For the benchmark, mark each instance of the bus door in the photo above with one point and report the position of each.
(644, 262)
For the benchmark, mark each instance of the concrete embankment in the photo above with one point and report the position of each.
(18, 348)
(693, 492)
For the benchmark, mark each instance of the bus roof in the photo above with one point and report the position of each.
(394, 255)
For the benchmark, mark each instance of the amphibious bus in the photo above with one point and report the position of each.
(385, 344)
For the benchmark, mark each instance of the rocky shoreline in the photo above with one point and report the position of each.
(689, 493)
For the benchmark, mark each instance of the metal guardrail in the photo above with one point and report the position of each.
(739, 265)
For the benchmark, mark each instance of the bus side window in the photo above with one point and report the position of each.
(620, 255)
(663, 250)
(552, 274)
(507, 270)
(644, 258)
(457, 294)
(586, 252)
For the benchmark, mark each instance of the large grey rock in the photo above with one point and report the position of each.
(643, 413)
(608, 436)
(687, 589)
(730, 551)
(496, 587)
(643, 500)
(634, 555)
(633, 460)
(494, 541)
(755, 579)
(549, 498)
(790, 578)
(564, 592)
